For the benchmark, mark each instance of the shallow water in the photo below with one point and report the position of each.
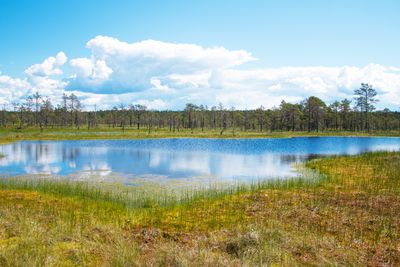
(244, 159)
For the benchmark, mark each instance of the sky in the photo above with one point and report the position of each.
(166, 53)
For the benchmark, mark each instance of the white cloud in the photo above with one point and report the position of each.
(108, 101)
(249, 88)
(165, 75)
(39, 76)
(89, 72)
(157, 104)
(12, 89)
(159, 87)
(50, 66)
(156, 52)
(128, 67)
(48, 87)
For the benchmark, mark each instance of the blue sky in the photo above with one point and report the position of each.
(298, 46)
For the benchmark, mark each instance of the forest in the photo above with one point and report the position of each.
(312, 115)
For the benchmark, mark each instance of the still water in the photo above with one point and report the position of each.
(180, 158)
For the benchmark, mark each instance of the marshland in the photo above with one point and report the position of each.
(340, 206)
(199, 133)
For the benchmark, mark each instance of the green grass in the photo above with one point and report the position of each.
(12, 134)
(345, 212)
(145, 194)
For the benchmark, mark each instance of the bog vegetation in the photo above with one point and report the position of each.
(310, 115)
(344, 212)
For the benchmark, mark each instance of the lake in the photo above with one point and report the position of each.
(240, 159)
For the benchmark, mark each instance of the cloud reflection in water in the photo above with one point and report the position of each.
(179, 158)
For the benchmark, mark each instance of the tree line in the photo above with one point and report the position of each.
(311, 114)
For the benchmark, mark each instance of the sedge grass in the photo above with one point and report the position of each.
(150, 194)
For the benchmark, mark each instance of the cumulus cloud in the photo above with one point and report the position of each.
(251, 88)
(12, 89)
(50, 66)
(116, 66)
(164, 75)
(39, 76)
(90, 73)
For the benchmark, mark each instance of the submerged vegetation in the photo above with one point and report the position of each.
(347, 213)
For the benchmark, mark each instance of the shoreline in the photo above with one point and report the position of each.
(10, 136)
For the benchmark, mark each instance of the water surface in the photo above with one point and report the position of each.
(180, 158)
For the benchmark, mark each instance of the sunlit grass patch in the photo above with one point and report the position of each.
(376, 172)
(12, 134)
